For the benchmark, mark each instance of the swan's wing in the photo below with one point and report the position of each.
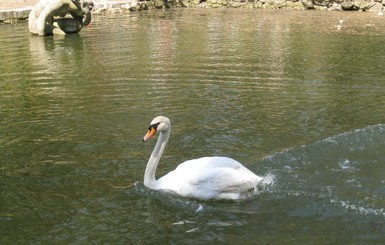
(216, 177)
(208, 163)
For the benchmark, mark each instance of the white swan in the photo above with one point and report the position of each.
(203, 178)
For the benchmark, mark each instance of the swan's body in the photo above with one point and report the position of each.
(202, 178)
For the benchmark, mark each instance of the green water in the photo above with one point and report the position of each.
(296, 96)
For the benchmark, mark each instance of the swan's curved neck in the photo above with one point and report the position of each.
(149, 174)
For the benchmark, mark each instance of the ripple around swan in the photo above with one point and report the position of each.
(329, 178)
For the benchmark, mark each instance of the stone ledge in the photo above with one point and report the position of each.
(11, 15)
(106, 6)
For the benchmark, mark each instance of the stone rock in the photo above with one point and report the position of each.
(322, 2)
(376, 7)
(307, 4)
(335, 7)
(236, 4)
(349, 6)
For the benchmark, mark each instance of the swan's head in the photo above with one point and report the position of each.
(159, 123)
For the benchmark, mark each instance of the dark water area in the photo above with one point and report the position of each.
(296, 96)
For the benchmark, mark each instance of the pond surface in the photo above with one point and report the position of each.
(298, 97)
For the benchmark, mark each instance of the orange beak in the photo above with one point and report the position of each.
(151, 131)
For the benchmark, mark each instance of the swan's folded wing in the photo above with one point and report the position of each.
(210, 182)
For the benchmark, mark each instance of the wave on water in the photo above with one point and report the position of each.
(341, 174)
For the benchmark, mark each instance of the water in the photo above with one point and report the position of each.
(298, 97)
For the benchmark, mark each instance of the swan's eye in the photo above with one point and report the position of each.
(154, 126)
